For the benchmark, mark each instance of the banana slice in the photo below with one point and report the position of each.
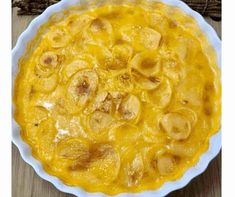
(82, 87)
(135, 171)
(176, 126)
(150, 156)
(161, 96)
(157, 20)
(45, 84)
(146, 83)
(99, 31)
(141, 37)
(166, 165)
(130, 108)
(74, 152)
(172, 70)
(48, 63)
(73, 149)
(149, 38)
(121, 54)
(189, 113)
(123, 81)
(49, 59)
(99, 121)
(147, 63)
(58, 38)
(101, 154)
(72, 68)
(181, 149)
(103, 102)
(78, 22)
(117, 98)
(99, 25)
(125, 134)
(102, 54)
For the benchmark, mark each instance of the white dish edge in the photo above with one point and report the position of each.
(25, 150)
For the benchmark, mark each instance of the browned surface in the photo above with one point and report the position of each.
(26, 183)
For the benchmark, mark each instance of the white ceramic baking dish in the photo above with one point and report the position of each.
(25, 150)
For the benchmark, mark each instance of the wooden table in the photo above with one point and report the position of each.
(26, 183)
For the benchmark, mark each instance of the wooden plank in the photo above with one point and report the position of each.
(26, 183)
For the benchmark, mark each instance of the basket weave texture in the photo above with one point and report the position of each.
(210, 8)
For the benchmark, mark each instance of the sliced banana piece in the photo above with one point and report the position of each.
(78, 22)
(99, 121)
(117, 98)
(48, 63)
(49, 59)
(123, 81)
(121, 54)
(103, 153)
(103, 102)
(82, 87)
(189, 113)
(147, 63)
(101, 53)
(157, 20)
(176, 126)
(74, 152)
(182, 150)
(150, 155)
(161, 96)
(130, 108)
(166, 165)
(172, 70)
(73, 149)
(141, 37)
(45, 84)
(99, 25)
(149, 38)
(99, 31)
(135, 171)
(58, 38)
(146, 83)
(125, 134)
(72, 68)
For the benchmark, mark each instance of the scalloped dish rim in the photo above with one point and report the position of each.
(25, 150)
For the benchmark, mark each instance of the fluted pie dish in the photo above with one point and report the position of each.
(118, 97)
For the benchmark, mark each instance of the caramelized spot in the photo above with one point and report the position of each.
(184, 102)
(208, 110)
(173, 24)
(81, 164)
(112, 15)
(97, 25)
(83, 87)
(148, 63)
(154, 163)
(125, 76)
(100, 151)
(48, 60)
(154, 79)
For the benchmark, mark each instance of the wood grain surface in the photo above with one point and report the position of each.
(26, 183)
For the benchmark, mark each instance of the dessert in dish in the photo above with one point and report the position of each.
(119, 98)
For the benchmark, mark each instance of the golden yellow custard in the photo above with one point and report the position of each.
(119, 98)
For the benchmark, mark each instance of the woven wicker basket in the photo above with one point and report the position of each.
(210, 8)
